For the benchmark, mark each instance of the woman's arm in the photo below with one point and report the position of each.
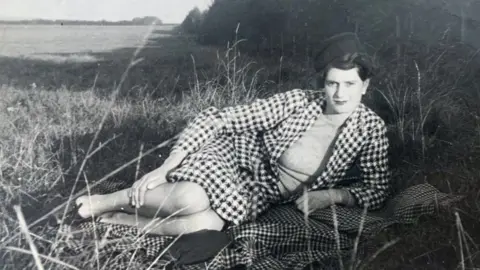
(342, 197)
(375, 177)
(262, 114)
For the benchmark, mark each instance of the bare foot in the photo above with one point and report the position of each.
(92, 205)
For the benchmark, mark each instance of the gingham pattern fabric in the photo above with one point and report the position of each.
(278, 239)
(260, 133)
(233, 191)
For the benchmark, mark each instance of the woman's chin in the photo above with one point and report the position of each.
(341, 109)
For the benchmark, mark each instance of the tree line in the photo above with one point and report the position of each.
(147, 20)
(296, 27)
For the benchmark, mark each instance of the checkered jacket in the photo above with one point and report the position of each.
(264, 129)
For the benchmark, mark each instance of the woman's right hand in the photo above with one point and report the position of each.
(153, 179)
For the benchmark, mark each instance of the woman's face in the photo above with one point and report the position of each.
(344, 90)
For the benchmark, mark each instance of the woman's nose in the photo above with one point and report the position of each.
(341, 92)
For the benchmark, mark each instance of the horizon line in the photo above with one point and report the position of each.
(18, 19)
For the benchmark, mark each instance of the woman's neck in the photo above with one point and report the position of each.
(335, 116)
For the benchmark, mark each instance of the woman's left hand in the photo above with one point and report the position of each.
(313, 200)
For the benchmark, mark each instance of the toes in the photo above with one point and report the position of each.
(82, 200)
(79, 201)
(83, 212)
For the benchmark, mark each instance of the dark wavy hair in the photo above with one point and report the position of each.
(342, 51)
(349, 61)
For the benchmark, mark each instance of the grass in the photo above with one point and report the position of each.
(47, 130)
(47, 134)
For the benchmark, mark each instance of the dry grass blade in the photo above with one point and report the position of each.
(382, 249)
(420, 109)
(97, 252)
(460, 240)
(337, 235)
(357, 239)
(24, 229)
(215, 258)
(100, 147)
(305, 219)
(137, 170)
(42, 256)
(81, 192)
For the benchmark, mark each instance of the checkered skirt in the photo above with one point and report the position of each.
(235, 194)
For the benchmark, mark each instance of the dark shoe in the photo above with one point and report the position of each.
(198, 247)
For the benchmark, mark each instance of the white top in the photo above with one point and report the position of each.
(307, 157)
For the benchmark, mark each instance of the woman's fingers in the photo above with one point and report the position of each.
(299, 203)
(131, 193)
(140, 187)
(144, 186)
(300, 199)
(141, 193)
(130, 190)
(136, 190)
(304, 205)
(302, 208)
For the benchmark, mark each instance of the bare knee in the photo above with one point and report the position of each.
(192, 198)
(206, 220)
(212, 221)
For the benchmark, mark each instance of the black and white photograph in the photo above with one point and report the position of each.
(240, 134)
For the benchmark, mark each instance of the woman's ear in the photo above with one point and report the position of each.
(366, 83)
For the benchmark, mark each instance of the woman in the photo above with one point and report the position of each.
(229, 166)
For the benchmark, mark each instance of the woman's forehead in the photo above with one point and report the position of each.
(336, 74)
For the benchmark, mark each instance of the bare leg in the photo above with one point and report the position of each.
(182, 198)
(206, 219)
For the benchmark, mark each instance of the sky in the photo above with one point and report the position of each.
(169, 11)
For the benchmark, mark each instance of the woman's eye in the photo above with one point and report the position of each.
(330, 83)
(350, 84)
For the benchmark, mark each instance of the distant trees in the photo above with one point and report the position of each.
(296, 27)
(147, 20)
(191, 24)
(269, 26)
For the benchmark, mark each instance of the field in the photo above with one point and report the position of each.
(57, 108)
(28, 40)
(66, 93)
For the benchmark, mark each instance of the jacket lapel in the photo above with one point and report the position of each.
(297, 124)
(345, 150)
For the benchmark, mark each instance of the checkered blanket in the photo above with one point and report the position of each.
(279, 239)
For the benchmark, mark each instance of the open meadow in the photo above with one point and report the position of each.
(72, 116)
(79, 102)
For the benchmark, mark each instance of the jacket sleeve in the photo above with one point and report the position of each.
(262, 114)
(374, 186)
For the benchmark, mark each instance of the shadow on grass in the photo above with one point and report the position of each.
(125, 143)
